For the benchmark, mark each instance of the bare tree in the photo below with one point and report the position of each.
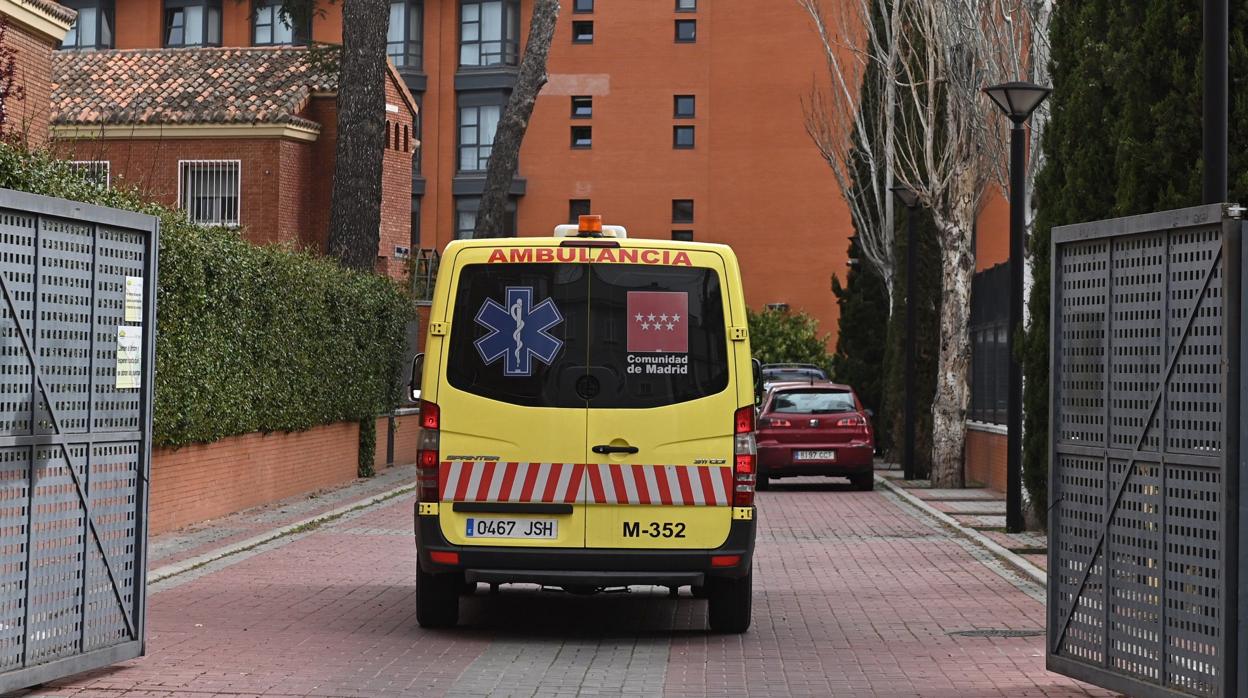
(946, 154)
(355, 207)
(852, 119)
(505, 153)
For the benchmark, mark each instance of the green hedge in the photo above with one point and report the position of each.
(780, 337)
(249, 338)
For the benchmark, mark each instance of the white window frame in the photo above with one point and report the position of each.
(94, 167)
(184, 167)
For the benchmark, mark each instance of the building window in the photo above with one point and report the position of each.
(466, 217)
(583, 32)
(576, 209)
(271, 26)
(582, 107)
(682, 137)
(489, 33)
(686, 31)
(477, 125)
(405, 37)
(684, 106)
(682, 210)
(582, 136)
(93, 28)
(583, 6)
(209, 190)
(192, 23)
(97, 171)
(683, 235)
(686, 5)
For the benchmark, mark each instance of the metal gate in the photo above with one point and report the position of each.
(1144, 453)
(77, 318)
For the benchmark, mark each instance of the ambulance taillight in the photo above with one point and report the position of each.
(745, 453)
(427, 456)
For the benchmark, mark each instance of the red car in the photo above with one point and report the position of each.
(815, 428)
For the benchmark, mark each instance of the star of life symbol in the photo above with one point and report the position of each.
(519, 331)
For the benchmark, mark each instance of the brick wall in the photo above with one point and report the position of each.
(396, 186)
(268, 213)
(985, 459)
(28, 117)
(405, 442)
(205, 481)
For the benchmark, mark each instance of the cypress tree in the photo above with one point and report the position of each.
(1124, 138)
(860, 338)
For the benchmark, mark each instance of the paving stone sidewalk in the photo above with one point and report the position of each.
(197, 539)
(980, 509)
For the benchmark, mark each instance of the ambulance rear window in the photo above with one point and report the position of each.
(588, 335)
(518, 333)
(657, 334)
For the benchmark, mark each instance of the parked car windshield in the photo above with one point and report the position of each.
(813, 402)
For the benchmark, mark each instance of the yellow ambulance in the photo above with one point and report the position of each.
(587, 421)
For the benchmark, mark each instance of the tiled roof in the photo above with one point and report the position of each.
(187, 86)
(54, 9)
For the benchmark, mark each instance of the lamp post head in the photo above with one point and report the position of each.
(908, 196)
(1018, 100)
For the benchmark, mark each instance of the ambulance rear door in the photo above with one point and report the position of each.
(512, 424)
(660, 426)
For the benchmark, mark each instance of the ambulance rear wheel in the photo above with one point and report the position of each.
(729, 603)
(437, 599)
(763, 483)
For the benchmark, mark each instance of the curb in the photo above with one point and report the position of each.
(1019, 564)
(160, 574)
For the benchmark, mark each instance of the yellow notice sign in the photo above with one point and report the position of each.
(129, 358)
(134, 299)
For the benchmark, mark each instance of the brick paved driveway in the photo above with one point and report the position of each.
(855, 594)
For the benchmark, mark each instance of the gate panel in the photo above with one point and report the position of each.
(77, 290)
(1143, 555)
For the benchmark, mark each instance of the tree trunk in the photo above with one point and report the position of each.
(505, 155)
(957, 256)
(355, 208)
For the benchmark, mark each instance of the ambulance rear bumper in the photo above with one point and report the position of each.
(596, 566)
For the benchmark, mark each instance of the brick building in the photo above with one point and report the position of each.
(234, 136)
(34, 29)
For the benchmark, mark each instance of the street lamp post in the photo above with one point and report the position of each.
(910, 198)
(1017, 100)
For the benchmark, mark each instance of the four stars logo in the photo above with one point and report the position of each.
(518, 332)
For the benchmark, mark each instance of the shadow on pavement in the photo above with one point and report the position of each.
(806, 485)
(526, 612)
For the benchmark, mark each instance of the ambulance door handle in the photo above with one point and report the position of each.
(607, 448)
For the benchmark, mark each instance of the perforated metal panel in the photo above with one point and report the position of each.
(75, 440)
(1144, 461)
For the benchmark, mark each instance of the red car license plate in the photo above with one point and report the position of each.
(814, 455)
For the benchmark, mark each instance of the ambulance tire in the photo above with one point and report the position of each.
(437, 599)
(728, 607)
(863, 483)
(762, 483)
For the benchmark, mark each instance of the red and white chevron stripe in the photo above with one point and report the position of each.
(599, 483)
(494, 481)
(697, 485)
